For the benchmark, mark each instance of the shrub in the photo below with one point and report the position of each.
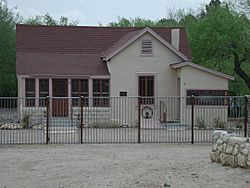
(238, 124)
(219, 124)
(26, 121)
(200, 123)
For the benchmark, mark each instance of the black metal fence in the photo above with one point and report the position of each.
(120, 119)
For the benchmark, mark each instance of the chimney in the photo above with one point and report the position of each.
(175, 38)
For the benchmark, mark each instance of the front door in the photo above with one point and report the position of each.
(146, 86)
(60, 105)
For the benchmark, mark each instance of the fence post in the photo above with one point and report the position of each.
(47, 119)
(192, 119)
(245, 115)
(139, 119)
(81, 115)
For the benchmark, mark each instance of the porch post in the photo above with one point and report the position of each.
(90, 92)
(70, 110)
(50, 87)
(50, 94)
(21, 88)
(37, 92)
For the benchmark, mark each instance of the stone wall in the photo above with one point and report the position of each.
(229, 149)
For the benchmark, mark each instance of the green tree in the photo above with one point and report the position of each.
(132, 22)
(7, 51)
(242, 6)
(8, 20)
(218, 35)
(223, 36)
(49, 20)
(166, 22)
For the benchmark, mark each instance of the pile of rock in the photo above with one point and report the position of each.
(10, 126)
(15, 126)
(229, 149)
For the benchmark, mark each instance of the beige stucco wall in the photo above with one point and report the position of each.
(192, 78)
(128, 64)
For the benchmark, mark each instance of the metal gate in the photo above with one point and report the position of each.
(120, 119)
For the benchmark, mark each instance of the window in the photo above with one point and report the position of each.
(101, 89)
(146, 89)
(205, 97)
(146, 47)
(79, 88)
(30, 92)
(43, 91)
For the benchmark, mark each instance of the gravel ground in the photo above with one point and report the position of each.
(115, 165)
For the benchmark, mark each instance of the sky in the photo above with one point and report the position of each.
(95, 12)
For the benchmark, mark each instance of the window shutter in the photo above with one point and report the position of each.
(146, 47)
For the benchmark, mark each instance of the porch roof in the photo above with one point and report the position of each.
(29, 63)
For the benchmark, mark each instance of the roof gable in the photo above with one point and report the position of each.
(202, 68)
(132, 36)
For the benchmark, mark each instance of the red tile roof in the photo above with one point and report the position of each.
(49, 49)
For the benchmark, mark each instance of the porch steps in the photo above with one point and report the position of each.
(95, 114)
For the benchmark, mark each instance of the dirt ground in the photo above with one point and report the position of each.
(115, 165)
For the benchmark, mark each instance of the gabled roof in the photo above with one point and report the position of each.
(202, 68)
(84, 39)
(120, 42)
(48, 44)
(132, 36)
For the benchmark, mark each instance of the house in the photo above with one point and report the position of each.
(104, 62)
